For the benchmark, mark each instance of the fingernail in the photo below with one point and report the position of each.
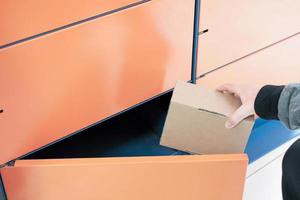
(228, 124)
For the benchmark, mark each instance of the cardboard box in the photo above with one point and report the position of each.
(196, 122)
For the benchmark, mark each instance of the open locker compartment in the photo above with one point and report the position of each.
(132, 133)
(79, 168)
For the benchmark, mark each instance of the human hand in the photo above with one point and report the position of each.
(247, 94)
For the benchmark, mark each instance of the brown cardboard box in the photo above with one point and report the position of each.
(196, 122)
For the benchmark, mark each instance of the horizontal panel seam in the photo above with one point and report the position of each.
(247, 55)
(74, 23)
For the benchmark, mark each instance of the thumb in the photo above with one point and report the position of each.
(241, 113)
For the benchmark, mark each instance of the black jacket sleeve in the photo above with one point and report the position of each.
(266, 102)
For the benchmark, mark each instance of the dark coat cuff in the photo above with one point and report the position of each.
(266, 102)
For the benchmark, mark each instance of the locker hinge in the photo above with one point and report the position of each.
(8, 164)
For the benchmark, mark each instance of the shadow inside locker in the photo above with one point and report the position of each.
(134, 133)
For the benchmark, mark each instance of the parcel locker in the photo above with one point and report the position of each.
(70, 79)
(73, 80)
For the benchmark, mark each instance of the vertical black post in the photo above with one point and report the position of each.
(195, 41)
(2, 191)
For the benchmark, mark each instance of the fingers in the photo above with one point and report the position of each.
(231, 88)
(241, 113)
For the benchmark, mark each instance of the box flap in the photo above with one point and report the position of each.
(205, 99)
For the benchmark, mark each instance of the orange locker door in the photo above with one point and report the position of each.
(214, 177)
(279, 64)
(237, 28)
(22, 19)
(58, 84)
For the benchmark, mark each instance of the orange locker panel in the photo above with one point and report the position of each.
(237, 28)
(279, 64)
(215, 177)
(60, 83)
(21, 19)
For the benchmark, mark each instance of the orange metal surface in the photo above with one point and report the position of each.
(55, 85)
(279, 64)
(237, 28)
(20, 19)
(215, 177)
